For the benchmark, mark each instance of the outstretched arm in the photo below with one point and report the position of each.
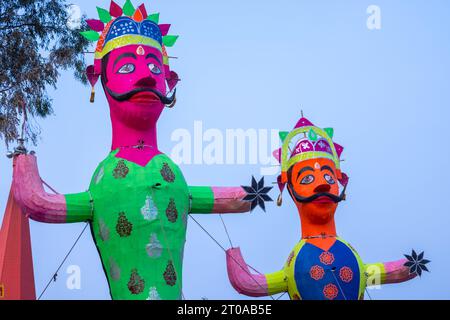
(41, 206)
(229, 200)
(249, 284)
(218, 200)
(388, 272)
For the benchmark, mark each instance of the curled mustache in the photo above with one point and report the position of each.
(332, 197)
(127, 95)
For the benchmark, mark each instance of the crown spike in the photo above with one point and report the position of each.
(312, 135)
(128, 8)
(138, 16)
(104, 15)
(90, 35)
(95, 25)
(115, 10)
(330, 132)
(164, 29)
(143, 11)
(169, 41)
(154, 18)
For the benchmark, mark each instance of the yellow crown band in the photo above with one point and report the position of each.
(125, 41)
(287, 163)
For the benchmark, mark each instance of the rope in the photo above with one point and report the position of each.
(337, 281)
(48, 186)
(226, 231)
(231, 243)
(281, 296)
(53, 278)
(251, 276)
(367, 291)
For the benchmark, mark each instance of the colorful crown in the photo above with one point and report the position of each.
(122, 26)
(305, 142)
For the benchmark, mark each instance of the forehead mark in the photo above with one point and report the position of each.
(140, 51)
(317, 166)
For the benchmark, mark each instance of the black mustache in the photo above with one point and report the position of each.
(127, 95)
(332, 197)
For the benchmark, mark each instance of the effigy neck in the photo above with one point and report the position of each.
(312, 227)
(138, 145)
(124, 136)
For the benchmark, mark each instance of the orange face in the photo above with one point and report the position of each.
(313, 186)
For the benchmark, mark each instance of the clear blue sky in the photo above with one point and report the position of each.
(256, 64)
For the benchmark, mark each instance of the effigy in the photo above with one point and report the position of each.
(322, 265)
(138, 200)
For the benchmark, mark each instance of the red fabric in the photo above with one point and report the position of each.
(16, 263)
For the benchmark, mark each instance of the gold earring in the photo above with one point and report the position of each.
(280, 200)
(92, 95)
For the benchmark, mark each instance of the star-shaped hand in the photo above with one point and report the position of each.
(257, 194)
(416, 263)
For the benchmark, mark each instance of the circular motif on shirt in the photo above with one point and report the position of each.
(327, 258)
(330, 291)
(316, 272)
(346, 274)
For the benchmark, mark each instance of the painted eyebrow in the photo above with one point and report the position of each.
(124, 55)
(304, 170)
(151, 55)
(327, 168)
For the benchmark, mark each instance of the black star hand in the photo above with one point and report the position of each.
(416, 263)
(257, 194)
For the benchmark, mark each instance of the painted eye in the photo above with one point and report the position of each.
(329, 179)
(154, 68)
(128, 68)
(308, 179)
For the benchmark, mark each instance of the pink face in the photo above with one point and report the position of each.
(134, 82)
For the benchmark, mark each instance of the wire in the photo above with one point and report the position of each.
(53, 278)
(337, 281)
(281, 296)
(226, 231)
(251, 276)
(367, 291)
(48, 186)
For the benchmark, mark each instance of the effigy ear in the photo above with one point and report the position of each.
(92, 77)
(172, 80)
(344, 180)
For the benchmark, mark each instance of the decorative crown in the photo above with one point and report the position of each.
(304, 142)
(122, 26)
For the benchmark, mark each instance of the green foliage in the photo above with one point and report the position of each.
(36, 45)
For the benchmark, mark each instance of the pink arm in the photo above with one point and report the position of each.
(396, 272)
(242, 280)
(30, 194)
(388, 272)
(229, 200)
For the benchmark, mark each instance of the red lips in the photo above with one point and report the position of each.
(144, 97)
(323, 200)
